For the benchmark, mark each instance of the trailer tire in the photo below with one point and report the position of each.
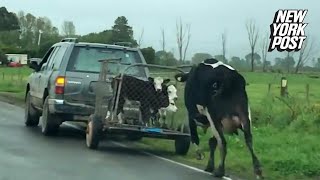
(94, 132)
(182, 143)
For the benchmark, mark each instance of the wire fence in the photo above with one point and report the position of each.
(146, 95)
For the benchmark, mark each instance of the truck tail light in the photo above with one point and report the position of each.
(60, 82)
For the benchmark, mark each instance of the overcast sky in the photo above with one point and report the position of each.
(208, 19)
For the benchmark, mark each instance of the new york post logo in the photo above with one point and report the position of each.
(287, 30)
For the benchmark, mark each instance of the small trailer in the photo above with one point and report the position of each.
(105, 122)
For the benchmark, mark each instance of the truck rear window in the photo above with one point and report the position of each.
(86, 59)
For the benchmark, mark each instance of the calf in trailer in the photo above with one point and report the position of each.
(162, 111)
(146, 92)
(218, 91)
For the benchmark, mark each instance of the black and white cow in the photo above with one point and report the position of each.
(215, 94)
(162, 112)
(149, 93)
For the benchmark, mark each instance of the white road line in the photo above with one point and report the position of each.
(153, 155)
(169, 160)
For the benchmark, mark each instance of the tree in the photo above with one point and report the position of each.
(256, 59)
(317, 64)
(68, 29)
(221, 57)
(101, 37)
(8, 20)
(288, 62)
(183, 39)
(237, 63)
(304, 54)
(3, 58)
(30, 27)
(264, 52)
(199, 57)
(223, 40)
(122, 32)
(253, 37)
(27, 24)
(165, 58)
(10, 38)
(149, 55)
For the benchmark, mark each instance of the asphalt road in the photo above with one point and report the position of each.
(26, 154)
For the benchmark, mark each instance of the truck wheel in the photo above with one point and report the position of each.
(182, 143)
(50, 124)
(31, 117)
(94, 132)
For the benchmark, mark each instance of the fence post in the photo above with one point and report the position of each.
(284, 87)
(307, 92)
(269, 88)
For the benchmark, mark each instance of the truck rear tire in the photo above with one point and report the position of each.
(31, 116)
(182, 143)
(94, 132)
(49, 124)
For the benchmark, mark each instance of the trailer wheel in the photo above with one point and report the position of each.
(182, 143)
(93, 132)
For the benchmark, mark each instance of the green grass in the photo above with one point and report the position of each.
(13, 79)
(283, 154)
(286, 137)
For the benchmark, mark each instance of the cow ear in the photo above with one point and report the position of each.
(166, 81)
(150, 79)
(178, 77)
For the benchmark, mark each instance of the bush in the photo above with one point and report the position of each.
(3, 58)
(287, 113)
(307, 121)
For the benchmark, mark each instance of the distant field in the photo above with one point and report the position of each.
(286, 132)
(13, 79)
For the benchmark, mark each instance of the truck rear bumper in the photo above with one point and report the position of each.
(70, 111)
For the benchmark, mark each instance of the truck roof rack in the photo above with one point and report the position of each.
(75, 40)
(126, 44)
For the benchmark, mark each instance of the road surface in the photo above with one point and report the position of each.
(26, 154)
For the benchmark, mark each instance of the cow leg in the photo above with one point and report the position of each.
(120, 109)
(223, 154)
(195, 138)
(163, 117)
(153, 117)
(221, 141)
(255, 161)
(145, 111)
(212, 147)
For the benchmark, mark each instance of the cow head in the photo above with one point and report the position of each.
(172, 92)
(158, 82)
